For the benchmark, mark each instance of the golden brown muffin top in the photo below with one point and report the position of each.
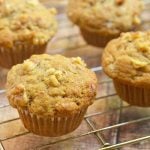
(26, 20)
(105, 16)
(51, 85)
(128, 58)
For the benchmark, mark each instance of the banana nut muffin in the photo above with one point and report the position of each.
(52, 87)
(102, 20)
(26, 26)
(127, 61)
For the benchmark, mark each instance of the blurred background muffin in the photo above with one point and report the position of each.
(26, 27)
(127, 61)
(102, 20)
(51, 93)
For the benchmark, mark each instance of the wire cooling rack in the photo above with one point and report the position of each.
(109, 123)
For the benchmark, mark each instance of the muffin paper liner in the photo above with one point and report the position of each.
(95, 39)
(133, 95)
(50, 126)
(17, 54)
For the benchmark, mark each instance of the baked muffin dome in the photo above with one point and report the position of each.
(128, 58)
(51, 85)
(127, 61)
(25, 20)
(105, 16)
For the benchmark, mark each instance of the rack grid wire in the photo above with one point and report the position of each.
(113, 106)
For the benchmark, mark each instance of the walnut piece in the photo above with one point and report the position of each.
(18, 94)
(79, 61)
(138, 64)
(136, 20)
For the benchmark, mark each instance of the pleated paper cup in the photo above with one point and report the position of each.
(95, 38)
(50, 126)
(137, 96)
(19, 53)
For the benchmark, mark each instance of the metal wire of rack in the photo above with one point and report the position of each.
(98, 132)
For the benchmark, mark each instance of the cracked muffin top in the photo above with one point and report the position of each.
(26, 20)
(106, 16)
(128, 58)
(51, 85)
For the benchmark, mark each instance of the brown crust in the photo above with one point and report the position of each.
(127, 59)
(105, 16)
(51, 85)
(27, 21)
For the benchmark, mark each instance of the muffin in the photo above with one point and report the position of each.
(102, 20)
(127, 61)
(26, 27)
(51, 93)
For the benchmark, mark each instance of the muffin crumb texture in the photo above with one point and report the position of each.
(128, 58)
(51, 85)
(119, 2)
(106, 16)
(26, 21)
